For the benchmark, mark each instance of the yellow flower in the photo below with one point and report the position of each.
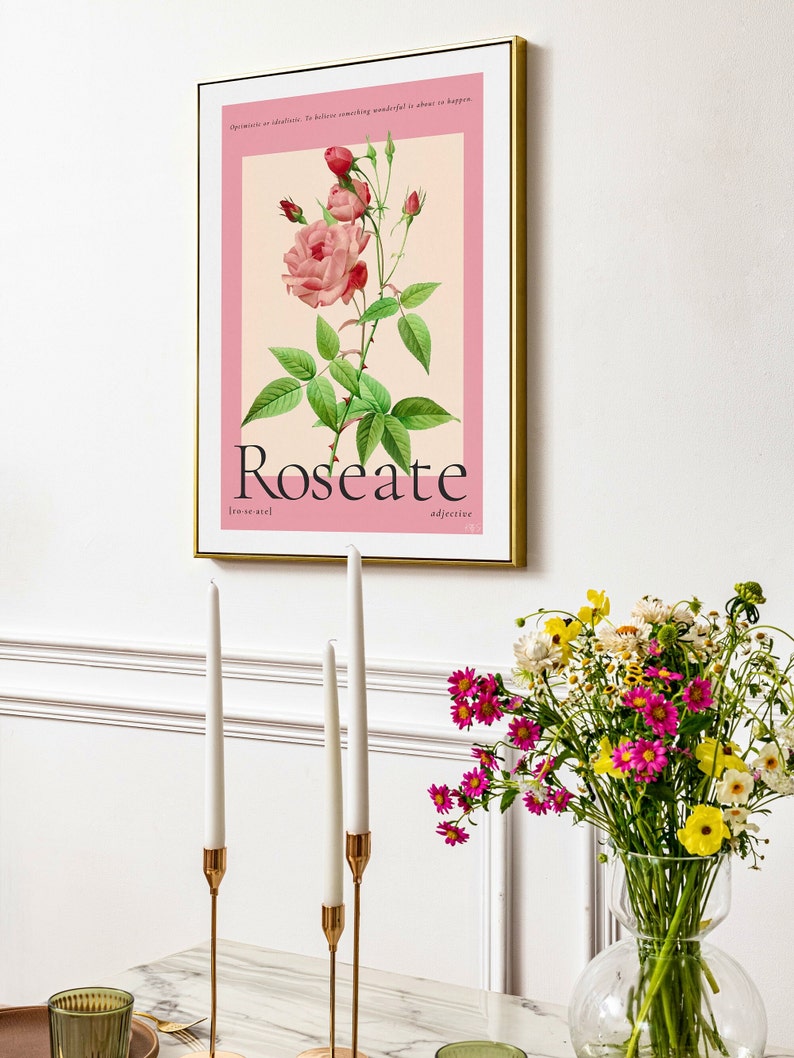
(704, 831)
(598, 608)
(715, 756)
(562, 634)
(603, 764)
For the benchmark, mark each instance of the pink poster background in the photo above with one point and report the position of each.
(437, 129)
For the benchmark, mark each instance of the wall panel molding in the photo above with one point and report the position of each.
(163, 689)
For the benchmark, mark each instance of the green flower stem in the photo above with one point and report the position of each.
(662, 961)
(365, 344)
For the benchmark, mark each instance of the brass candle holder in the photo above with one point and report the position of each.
(357, 850)
(333, 920)
(214, 870)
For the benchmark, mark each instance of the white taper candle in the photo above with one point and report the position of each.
(334, 838)
(214, 786)
(357, 737)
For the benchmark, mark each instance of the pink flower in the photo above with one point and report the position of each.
(486, 708)
(291, 211)
(536, 799)
(542, 769)
(485, 757)
(475, 783)
(462, 683)
(660, 715)
(653, 648)
(662, 673)
(339, 160)
(523, 733)
(698, 695)
(348, 203)
(560, 799)
(462, 713)
(622, 756)
(322, 263)
(488, 683)
(648, 759)
(439, 795)
(637, 698)
(451, 834)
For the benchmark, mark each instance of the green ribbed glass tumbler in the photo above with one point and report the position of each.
(90, 1023)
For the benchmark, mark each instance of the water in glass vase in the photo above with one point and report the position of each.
(665, 992)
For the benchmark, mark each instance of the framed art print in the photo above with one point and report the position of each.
(361, 335)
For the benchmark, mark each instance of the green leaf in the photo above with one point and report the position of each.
(368, 435)
(329, 218)
(416, 338)
(345, 374)
(357, 408)
(375, 393)
(416, 294)
(397, 442)
(320, 394)
(349, 412)
(279, 396)
(327, 339)
(421, 413)
(297, 362)
(507, 798)
(660, 791)
(379, 310)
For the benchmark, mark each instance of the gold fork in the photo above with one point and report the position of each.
(189, 1039)
(168, 1026)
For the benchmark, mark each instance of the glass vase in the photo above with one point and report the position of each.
(664, 992)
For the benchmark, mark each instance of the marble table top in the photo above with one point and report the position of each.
(276, 1005)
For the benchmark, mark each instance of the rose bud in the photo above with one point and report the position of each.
(413, 205)
(292, 212)
(339, 160)
(356, 280)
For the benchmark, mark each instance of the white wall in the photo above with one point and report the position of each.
(660, 460)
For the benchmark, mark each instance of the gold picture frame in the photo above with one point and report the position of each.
(362, 310)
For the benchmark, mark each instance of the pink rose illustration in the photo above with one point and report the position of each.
(322, 263)
(339, 160)
(348, 203)
(325, 266)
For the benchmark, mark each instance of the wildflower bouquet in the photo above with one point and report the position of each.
(672, 734)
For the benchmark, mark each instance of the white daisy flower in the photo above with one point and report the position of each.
(650, 610)
(536, 652)
(697, 634)
(631, 639)
(768, 758)
(736, 818)
(682, 615)
(735, 787)
(785, 737)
